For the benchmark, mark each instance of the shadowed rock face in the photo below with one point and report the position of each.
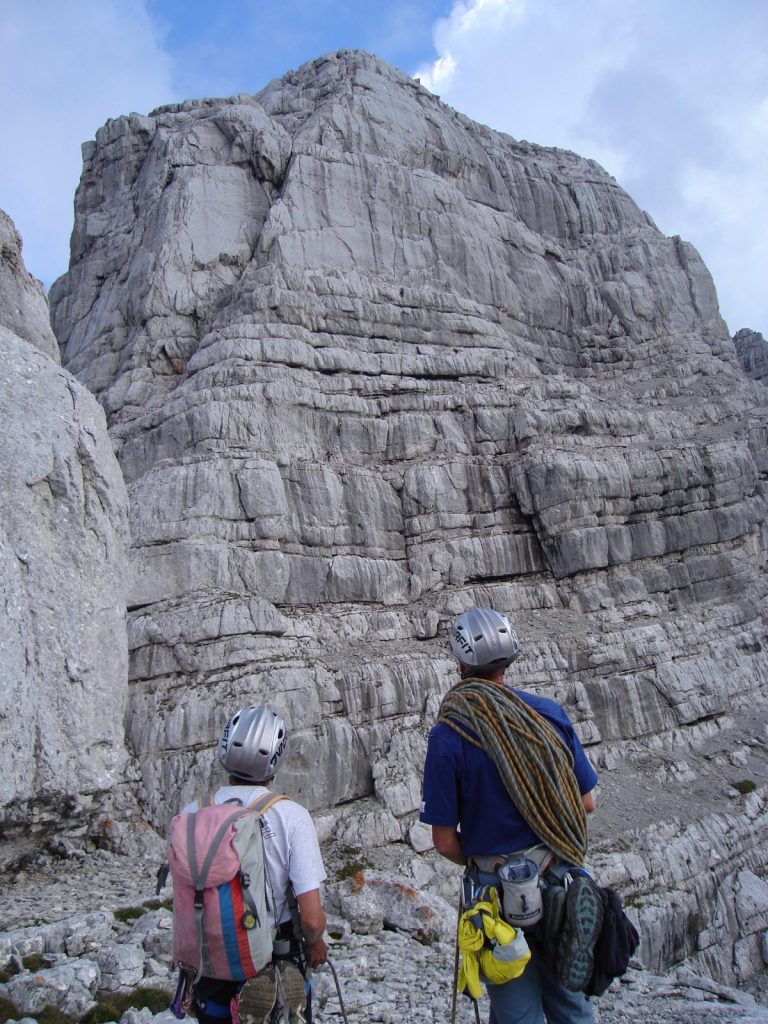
(752, 350)
(365, 363)
(63, 548)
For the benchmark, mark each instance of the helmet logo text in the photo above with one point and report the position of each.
(462, 641)
(277, 754)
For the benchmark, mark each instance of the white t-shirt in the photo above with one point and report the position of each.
(291, 849)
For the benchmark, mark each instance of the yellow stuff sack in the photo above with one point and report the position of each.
(491, 950)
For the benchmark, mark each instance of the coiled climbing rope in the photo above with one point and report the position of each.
(535, 765)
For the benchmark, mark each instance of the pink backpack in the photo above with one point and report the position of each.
(222, 924)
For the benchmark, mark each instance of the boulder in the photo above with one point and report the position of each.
(68, 987)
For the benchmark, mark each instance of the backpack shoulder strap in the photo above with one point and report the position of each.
(261, 804)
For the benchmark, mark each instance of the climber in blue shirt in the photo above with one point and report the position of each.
(474, 819)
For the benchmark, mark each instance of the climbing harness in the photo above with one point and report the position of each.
(535, 765)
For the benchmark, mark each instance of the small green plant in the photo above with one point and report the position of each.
(351, 868)
(113, 1006)
(157, 904)
(355, 863)
(7, 1011)
(745, 786)
(32, 962)
(53, 1015)
(128, 914)
(5, 976)
(103, 1012)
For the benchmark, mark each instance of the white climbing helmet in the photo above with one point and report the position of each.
(482, 638)
(253, 743)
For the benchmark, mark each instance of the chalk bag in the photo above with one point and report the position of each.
(521, 895)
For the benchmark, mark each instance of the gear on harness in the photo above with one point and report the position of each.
(535, 765)
(489, 947)
(521, 894)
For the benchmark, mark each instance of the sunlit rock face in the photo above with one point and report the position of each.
(23, 304)
(366, 362)
(63, 565)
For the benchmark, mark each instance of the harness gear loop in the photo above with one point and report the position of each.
(535, 765)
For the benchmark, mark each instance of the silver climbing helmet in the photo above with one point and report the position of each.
(482, 638)
(253, 743)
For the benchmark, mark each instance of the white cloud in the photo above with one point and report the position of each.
(671, 98)
(67, 68)
(438, 74)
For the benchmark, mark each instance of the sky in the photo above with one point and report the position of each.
(670, 96)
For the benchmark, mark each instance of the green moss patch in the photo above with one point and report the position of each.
(53, 1015)
(128, 914)
(745, 786)
(158, 904)
(7, 1011)
(112, 1006)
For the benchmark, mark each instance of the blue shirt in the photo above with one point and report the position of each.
(463, 788)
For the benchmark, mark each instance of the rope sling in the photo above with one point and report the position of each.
(535, 765)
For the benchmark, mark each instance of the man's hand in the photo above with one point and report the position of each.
(317, 952)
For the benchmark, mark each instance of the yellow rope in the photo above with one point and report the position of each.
(535, 765)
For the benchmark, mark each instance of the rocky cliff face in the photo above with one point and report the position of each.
(752, 350)
(365, 363)
(63, 556)
(23, 304)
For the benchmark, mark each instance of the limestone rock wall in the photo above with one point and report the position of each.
(752, 350)
(23, 303)
(366, 362)
(63, 562)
